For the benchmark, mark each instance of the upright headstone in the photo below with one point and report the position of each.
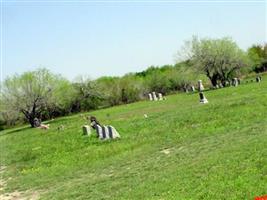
(36, 122)
(258, 79)
(192, 88)
(160, 96)
(202, 98)
(235, 82)
(200, 86)
(154, 96)
(86, 130)
(150, 96)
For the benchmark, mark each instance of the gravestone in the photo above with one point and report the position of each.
(154, 96)
(160, 96)
(202, 98)
(150, 96)
(36, 122)
(221, 85)
(86, 130)
(200, 86)
(192, 88)
(235, 82)
(258, 79)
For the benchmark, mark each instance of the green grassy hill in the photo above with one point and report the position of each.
(183, 150)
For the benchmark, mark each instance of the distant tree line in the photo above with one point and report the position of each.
(43, 95)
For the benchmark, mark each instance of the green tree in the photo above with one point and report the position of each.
(87, 95)
(258, 57)
(32, 93)
(110, 90)
(218, 59)
(131, 88)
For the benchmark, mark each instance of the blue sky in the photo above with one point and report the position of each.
(114, 38)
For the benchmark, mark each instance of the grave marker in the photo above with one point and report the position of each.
(200, 86)
(86, 130)
(150, 96)
(160, 96)
(202, 98)
(154, 96)
(258, 79)
(235, 82)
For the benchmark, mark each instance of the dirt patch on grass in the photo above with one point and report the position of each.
(16, 195)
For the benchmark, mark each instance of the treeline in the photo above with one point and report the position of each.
(44, 95)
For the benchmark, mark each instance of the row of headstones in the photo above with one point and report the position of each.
(102, 132)
(235, 82)
(258, 79)
(155, 96)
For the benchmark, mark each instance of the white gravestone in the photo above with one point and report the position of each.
(200, 86)
(150, 96)
(235, 82)
(160, 96)
(193, 88)
(202, 98)
(258, 79)
(154, 96)
(86, 130)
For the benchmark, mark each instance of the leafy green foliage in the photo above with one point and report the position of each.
(87, 95)
(219, 59)
(258, 57)
(33, 94)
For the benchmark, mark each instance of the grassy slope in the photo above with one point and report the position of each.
(212, 151)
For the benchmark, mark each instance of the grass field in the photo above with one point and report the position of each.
(183, 150)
